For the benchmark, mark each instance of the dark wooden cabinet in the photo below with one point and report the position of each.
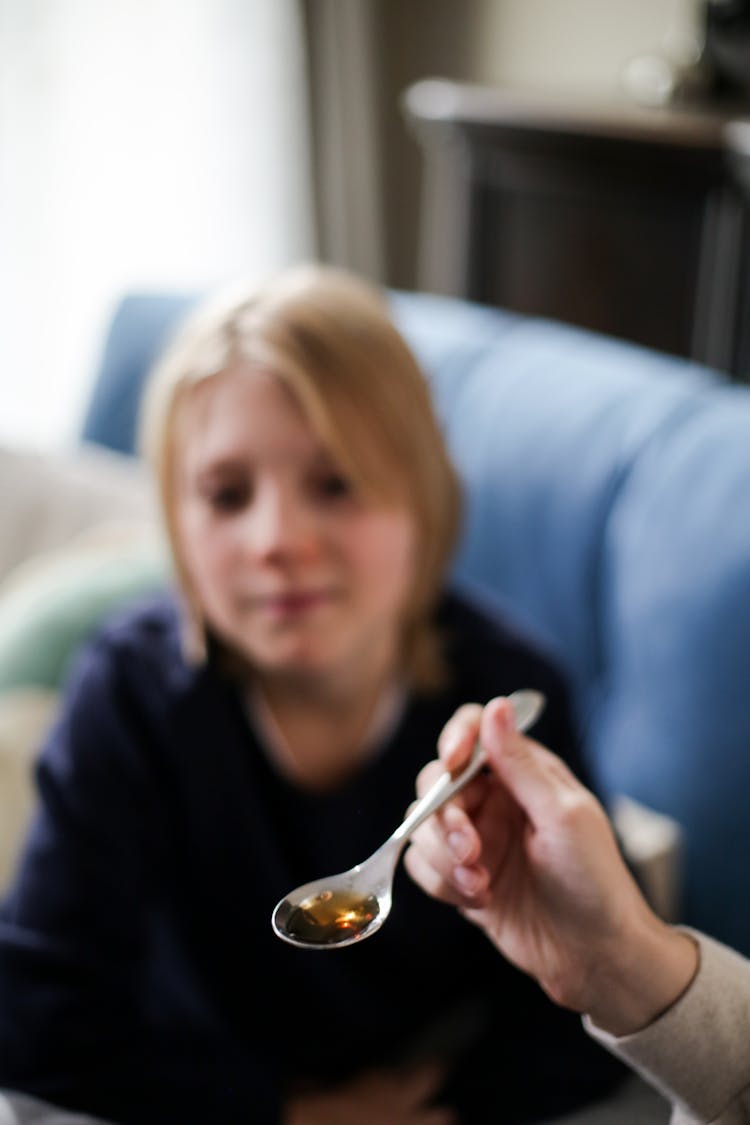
(627, 220)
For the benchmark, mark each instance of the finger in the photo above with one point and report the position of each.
(419, 1084)
(466, 847)
(475, 829)
(438, 1115)
(472, 883)
(403, 1088)
(458, 884)
(471, 796)
(432, 881)
(428, 775)
(447, 838)
(453, 814)
(444, 857)
(458, 833)
(434, 1115)
(459, 735)
(398, 1096)
(536, 778)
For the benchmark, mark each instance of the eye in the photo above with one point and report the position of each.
(333, 486)
(227, 498)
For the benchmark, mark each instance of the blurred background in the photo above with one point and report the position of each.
(177, 144)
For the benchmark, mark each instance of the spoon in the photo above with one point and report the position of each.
(338, 910)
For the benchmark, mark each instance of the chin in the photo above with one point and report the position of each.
(289, 661)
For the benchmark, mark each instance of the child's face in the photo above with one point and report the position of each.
(289, 564)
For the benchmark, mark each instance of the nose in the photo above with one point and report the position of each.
(279, 525)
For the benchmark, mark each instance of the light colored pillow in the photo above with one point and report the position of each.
(52, 603)
(45, 500)
(25, 716)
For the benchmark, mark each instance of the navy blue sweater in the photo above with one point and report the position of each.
(139, 976)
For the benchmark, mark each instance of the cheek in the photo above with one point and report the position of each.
(384, 552)
(206, 554)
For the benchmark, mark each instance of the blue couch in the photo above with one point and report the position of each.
(608, 494)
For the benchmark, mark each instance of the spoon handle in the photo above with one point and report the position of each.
(527, 706)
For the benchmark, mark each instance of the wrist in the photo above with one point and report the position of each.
(643, 974)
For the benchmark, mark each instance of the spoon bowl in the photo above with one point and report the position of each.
(339, 910)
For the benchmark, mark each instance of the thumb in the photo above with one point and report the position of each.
(537, 779)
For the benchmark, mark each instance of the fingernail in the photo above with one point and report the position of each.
(467, 880)
(449, 744)
(459, 844)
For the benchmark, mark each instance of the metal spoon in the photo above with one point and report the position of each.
(341, 909)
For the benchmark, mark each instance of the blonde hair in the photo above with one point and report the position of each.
(329, 337)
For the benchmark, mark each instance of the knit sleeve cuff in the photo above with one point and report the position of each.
(697, 1053)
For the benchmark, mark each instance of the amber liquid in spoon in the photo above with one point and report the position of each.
(331, 917)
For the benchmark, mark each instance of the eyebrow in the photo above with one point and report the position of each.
(222, 465)
(322, 458)
(207, 471)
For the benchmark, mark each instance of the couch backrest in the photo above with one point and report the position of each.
(608, 498)
(141, 327)
(609, 504)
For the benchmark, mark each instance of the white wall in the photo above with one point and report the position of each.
(576, 44)
(143, 143)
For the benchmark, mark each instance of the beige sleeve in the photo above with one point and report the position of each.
(698, 1052)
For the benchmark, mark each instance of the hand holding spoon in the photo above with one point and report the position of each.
(338, 910)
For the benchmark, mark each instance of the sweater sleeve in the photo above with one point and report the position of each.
(698, 1052)
(75, 1028)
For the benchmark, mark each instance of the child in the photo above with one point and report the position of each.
(261, 728)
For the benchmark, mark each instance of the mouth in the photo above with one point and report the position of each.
(293, 602)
